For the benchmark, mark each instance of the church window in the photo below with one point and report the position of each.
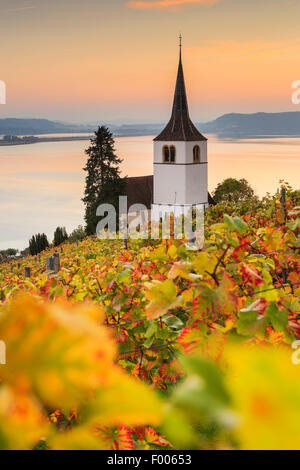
(172, 154)
(166, 154)
(169, 154)
(196, 154)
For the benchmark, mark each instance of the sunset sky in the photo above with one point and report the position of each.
(116, 60)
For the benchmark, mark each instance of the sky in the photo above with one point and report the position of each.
(116, 60)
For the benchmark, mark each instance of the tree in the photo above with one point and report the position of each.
(60, 236)
(103, 182)
(38, 243)
(78, 234)
(9, 252)
(232, 189)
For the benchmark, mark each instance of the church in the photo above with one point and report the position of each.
(180, 163)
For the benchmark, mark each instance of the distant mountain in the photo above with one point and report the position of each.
(136, 129)
(38, 126)
(234, 126)
(253, 125)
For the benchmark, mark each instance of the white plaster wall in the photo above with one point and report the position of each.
(189, 151)
(196, 184)
(180, 184)
(169, 184)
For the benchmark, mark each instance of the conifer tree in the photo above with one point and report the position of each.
(103, 181)
(38, 243)
(60, 236)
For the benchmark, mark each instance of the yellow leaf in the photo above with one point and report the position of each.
(126, 400)
(54, 350)
(265, 386)
(162, 296)
(22, 423)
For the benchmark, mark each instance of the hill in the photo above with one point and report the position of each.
(253, 125)
(38, 126)
(233, 125)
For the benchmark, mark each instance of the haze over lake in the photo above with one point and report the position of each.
(41, 185)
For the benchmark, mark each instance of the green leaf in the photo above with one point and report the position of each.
(249, 325)
(151, 330)
(149, 342)
(233, 241)
(278, 318)
(124, 276)
(240, 225)
(173, 322)
(229, 222)
(293, 225)
(204, 387)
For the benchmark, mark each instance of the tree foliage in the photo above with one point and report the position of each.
(60, 236)
(9, 252)
(233, 190)
(78, 234)
(103, 182)
(38, 243)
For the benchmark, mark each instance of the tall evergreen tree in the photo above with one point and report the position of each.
(103, 182)
(60, 236)
(38, 243)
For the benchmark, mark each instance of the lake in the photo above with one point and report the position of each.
(41, 185)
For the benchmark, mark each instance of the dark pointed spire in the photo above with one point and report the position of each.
(180, 126)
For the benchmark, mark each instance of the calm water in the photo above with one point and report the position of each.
(41, 185)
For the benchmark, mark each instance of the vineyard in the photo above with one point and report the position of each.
(155, 346)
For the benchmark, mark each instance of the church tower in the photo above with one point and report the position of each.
(180, 159)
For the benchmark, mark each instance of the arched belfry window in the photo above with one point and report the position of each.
(169, 154)
(196, 154)
(166, 154)
(172, 154)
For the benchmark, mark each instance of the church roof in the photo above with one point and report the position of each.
(139, 190)
(180, 126)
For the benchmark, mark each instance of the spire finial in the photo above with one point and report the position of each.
(180, 46)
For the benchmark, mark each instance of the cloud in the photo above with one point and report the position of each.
(31, 7)
(166, 4)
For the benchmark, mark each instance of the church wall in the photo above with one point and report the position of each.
(189, 182)
(196, 184)
(168, 180)
(189, 151)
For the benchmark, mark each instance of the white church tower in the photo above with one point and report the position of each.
(180, 159)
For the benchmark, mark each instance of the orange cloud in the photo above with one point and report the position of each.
(31, 7)
(166, 4)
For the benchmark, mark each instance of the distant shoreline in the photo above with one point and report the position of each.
(39, 140)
